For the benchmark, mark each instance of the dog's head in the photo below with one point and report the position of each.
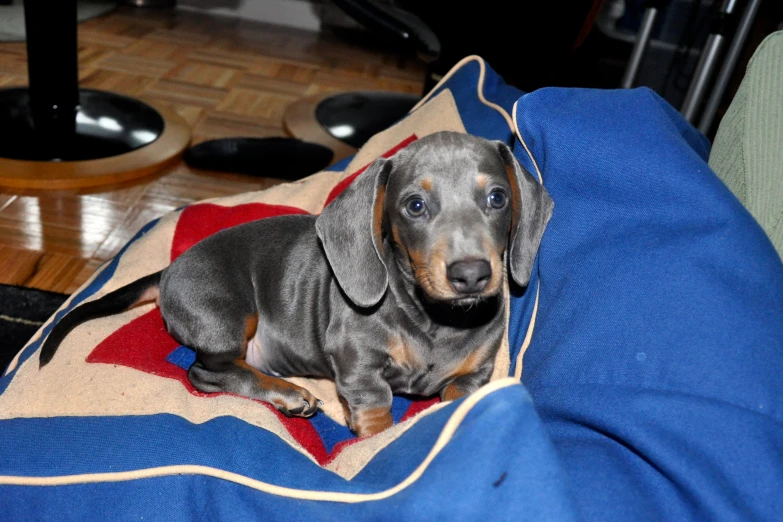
(451, 206)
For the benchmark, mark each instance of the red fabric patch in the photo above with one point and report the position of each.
(204, 219)
(142, 344)
(303, 432)
(417, 407)
(338, 189)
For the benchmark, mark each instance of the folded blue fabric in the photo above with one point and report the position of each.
(652, 386)
(657, 359)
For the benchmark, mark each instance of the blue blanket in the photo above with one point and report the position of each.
(652, 386)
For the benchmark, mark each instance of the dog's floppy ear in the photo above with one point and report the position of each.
(532, 208)
(350, 230)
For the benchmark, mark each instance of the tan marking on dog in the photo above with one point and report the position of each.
(417, 257)
(436, 270)
(251, 325)
(397, 239)
(401, 353)
(516, 198)
(482, 180)
(496, 265)
(422, 268)
(426, 184)
(370, 421)
(377, 218)
(451, 392)
(278, 385)
(471, 363)
(149, 295)
(266, 382)
(430, 272)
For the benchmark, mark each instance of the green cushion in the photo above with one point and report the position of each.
(748, 150)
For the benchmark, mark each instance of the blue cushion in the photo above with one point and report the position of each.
(656, 364)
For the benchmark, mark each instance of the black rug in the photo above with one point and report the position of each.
(22, 312)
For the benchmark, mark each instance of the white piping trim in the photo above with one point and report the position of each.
(447, 433)
(522, 141)
(528, 337)
(479, 88)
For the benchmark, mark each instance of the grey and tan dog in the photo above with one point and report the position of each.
(397, 287)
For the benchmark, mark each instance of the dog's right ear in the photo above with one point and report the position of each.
(350, 230)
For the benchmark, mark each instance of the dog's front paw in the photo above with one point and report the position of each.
(370, 421)
(294, 401)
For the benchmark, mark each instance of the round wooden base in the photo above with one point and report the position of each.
(120, 169)
(300, 122)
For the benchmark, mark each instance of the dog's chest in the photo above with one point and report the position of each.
(417, 367)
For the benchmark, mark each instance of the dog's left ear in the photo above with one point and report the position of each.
(350, 230)
(532, 208)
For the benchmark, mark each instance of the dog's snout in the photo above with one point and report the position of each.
(469, 277)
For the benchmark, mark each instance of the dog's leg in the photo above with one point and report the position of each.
(364, 393)
(219, 329)
(365, 418)
(224, 373)
(468, 383)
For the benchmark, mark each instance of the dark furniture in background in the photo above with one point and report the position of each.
(529, 44)
(53, 132)
(529, 56)
(354, 117)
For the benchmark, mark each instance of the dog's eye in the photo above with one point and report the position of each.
(496, 199)
(415, 207)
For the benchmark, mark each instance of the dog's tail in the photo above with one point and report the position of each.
(143, 290)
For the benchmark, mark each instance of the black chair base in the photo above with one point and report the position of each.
(282, 158)
(105, 125)
(355, 117)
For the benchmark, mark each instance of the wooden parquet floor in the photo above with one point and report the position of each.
(224, 77)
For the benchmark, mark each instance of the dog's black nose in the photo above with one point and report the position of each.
(469, 277)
